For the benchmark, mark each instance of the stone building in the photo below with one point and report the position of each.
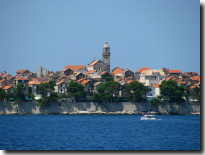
(97, 65)
(106, 56)
(42, 71)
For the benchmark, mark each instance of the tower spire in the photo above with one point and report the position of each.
(106, 55)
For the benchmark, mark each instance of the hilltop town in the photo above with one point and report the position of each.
(94, 76)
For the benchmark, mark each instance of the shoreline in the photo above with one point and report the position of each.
(100, 113)
(94, 108)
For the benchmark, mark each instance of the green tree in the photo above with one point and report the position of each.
(10, 96)
(19, 93)
(76, 90)
(197, 92)
(108, 92)
(107, 77)
(155, 102)
(170, 91)
(137, 91)
(46, 90)
(2, 94)
(30, 97)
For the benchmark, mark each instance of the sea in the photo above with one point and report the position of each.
(99, 132)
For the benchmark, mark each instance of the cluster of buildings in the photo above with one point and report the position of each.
(91, 77)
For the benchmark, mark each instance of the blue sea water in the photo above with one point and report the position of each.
(99, 132)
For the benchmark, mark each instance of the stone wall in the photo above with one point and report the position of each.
(75, 107)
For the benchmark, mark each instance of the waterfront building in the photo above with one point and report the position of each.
(24, 81)
(9, 88)
(33, 87)
(150, 78)
(61, 87)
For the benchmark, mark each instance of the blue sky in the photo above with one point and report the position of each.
(140, 33)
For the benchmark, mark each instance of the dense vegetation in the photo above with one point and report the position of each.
(108, 92)
(171, 92)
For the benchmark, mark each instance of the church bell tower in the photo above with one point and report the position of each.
(106, 55)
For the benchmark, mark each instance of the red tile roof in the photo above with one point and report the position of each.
(11, 77)
(17, 76)
(84, 81)
(65, 69)
(195, 78)
(174, 71)
(4, 75)
(192, 87)
(90, 72)
(7, 87)
(80, 80)
(118, 70)
(103, 72)
(33, 82)
(20, 71)
(22, 78)
(93, 63)
(59, 83)
(75, 67)
(128, 81)
(2, 80)
(142, 69)
(182, 82)
(60, 77)
(156, 86)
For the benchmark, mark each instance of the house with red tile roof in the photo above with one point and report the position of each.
(89, 86)
(97, 65)
(61, 87)
(76, 76)
(94, 74)
(138, 73)
(118, 73)
(77, 68)
(32, 87)
(128, 73)
(175, 73)
(196, 79)
(150, 78)
(6, 76)
(3, 83)
(23, 72)
(67, 72)
(96, 85)
(24, 81)
(156, 90)
(9, 88)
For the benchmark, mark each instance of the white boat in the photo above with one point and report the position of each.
(148, 117)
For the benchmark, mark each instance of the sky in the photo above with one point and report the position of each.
(140, 33)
